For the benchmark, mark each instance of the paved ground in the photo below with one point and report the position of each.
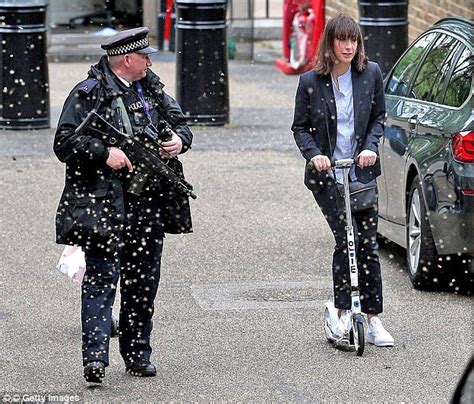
(239, 311)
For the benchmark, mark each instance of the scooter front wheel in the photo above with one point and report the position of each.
(359, 337)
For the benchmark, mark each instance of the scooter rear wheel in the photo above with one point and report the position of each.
(359, 337)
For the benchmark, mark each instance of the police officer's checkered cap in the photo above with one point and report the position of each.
(128, 41)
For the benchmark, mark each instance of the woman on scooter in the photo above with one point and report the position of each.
(339, 114)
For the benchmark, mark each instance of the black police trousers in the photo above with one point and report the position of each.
(137, 264)
(365, 234)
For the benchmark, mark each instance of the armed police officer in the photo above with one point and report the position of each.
(121, 230)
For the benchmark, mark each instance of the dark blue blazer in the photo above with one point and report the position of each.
(315, 124)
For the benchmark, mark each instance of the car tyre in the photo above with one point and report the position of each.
(424, 268)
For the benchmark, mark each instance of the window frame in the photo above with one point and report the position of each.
(456, 55)
(436, 42)
(451, 70)
(418, 65)
(422, 60)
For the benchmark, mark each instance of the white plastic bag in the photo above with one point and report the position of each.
(73, 263)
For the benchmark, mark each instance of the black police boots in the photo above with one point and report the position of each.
(141, 368)
(94, 372)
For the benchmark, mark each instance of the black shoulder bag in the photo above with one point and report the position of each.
(363, 196)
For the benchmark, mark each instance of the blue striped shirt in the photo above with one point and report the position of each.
(346, 144)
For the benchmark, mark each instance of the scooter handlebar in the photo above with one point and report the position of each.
(346, 162)
(341, 163)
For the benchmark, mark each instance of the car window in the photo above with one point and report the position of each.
(403, 73)
(440, 81)
(459, 86)
(431, 68)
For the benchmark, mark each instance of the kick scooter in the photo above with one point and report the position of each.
(353, 337)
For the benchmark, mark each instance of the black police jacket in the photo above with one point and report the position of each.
(92, 208)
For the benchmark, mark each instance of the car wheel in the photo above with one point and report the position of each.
(424, 268)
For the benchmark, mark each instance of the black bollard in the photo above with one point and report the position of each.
(384, 26)
(202, 87)
(24, 92)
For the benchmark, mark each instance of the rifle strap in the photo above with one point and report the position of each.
(125, 118)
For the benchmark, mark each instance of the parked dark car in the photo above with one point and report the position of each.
(426, 191)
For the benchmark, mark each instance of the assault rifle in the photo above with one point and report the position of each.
(143, 151)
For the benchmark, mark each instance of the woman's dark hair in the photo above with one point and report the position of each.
(339, 27)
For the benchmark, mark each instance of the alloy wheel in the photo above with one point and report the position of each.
(414, 232)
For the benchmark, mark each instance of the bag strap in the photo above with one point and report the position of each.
(326, 112)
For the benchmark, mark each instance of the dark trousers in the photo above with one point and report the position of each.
(365, 233)
(137, 264)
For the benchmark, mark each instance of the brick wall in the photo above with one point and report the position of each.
(421, 13)
(349, 7)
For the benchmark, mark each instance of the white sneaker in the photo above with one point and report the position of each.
(377, 334)
(345, 322)
(331, 322)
